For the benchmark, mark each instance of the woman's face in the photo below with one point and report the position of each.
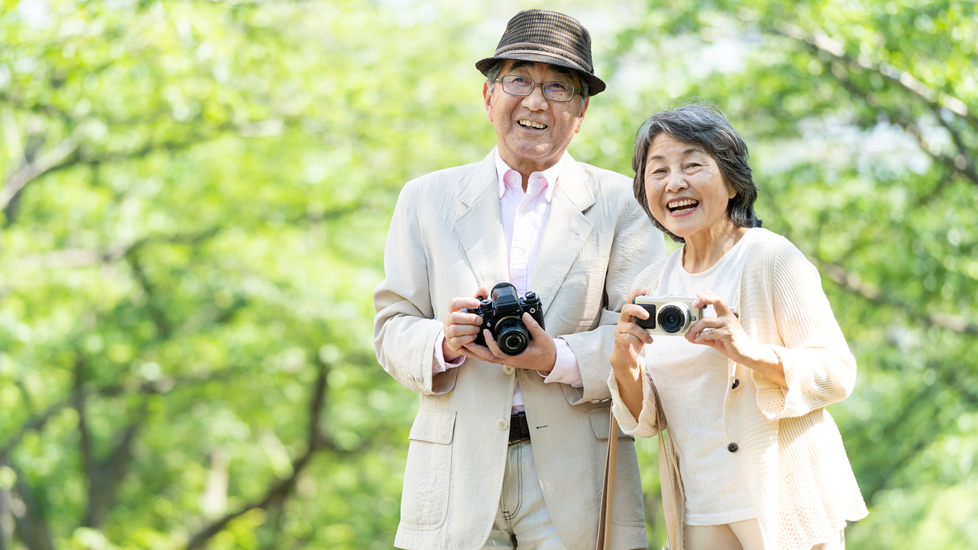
(686, 191)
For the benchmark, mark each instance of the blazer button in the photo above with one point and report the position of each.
(419, 379)
(735, 384)
(509, 370)
(733, 447)
(502, 425)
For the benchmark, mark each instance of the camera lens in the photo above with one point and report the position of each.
(511, 336)
(672, 318)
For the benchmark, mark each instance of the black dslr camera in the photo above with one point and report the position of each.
(503, 316)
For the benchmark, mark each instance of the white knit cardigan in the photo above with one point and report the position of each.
(800, 479)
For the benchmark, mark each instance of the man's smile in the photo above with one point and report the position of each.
(531, 124)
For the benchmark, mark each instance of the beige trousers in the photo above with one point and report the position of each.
(522, 519)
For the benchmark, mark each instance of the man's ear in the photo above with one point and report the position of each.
(487, 97)
(580, 118)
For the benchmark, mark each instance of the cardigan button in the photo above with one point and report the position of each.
(733, 447)
(735, 384)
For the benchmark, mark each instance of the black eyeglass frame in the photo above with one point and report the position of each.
(542, 86)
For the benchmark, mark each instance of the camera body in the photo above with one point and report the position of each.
(502, 314)
(668, 315)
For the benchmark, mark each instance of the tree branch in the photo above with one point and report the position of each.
(37, 422)
(44, 163)
(6, 512)
(962, 161)
(80, 257)
(103, 475)
(107, 474)
(822, 44)
(889, 433)
(854, 284)
(31, 522)
(280, 491)
(163, 327)
(85, 437)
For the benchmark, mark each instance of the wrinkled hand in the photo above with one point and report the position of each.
(461, 328)
(724, 332)
(630, 339)
(540, 354)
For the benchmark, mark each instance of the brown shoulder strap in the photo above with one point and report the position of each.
(608, 490)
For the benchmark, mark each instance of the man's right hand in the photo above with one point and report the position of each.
(462, 328)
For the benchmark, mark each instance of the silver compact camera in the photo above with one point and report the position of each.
(669, 315)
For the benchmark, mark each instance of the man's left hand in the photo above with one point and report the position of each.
(540, 354)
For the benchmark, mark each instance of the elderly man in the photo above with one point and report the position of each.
(508, 449)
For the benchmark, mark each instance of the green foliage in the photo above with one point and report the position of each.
(195, 200)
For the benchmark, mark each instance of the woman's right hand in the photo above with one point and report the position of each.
(630, 339)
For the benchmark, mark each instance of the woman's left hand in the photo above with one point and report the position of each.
(724, 332)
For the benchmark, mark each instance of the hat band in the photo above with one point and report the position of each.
(545, 50)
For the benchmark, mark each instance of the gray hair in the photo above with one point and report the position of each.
(703, 125)
(497, 67)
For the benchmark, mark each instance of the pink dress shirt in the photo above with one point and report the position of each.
(524, 216)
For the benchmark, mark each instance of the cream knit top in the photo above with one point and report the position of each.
(800, 479)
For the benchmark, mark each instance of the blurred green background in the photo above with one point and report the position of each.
(195, 199)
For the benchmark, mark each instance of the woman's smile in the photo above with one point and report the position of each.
(681, 207)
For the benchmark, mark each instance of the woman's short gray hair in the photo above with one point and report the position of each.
(703, 125)
(493, 73)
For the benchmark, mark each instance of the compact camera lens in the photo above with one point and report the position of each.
(672, 318)
(511, 336)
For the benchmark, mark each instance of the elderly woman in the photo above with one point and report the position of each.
(753, 460)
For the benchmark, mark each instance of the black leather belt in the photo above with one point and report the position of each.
(519, 430)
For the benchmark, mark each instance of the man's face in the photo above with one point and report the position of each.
(533, 132)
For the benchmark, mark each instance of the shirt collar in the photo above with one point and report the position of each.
(550, 175)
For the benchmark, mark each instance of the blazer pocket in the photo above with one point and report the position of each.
(600, 418)
(427, 477)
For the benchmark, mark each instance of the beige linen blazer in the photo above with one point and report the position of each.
(791, 451)
(446, 240)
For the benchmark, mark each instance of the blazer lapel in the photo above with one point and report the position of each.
(566, 232)
(479, 227)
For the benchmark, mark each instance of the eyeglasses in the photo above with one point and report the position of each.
(553, 90)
